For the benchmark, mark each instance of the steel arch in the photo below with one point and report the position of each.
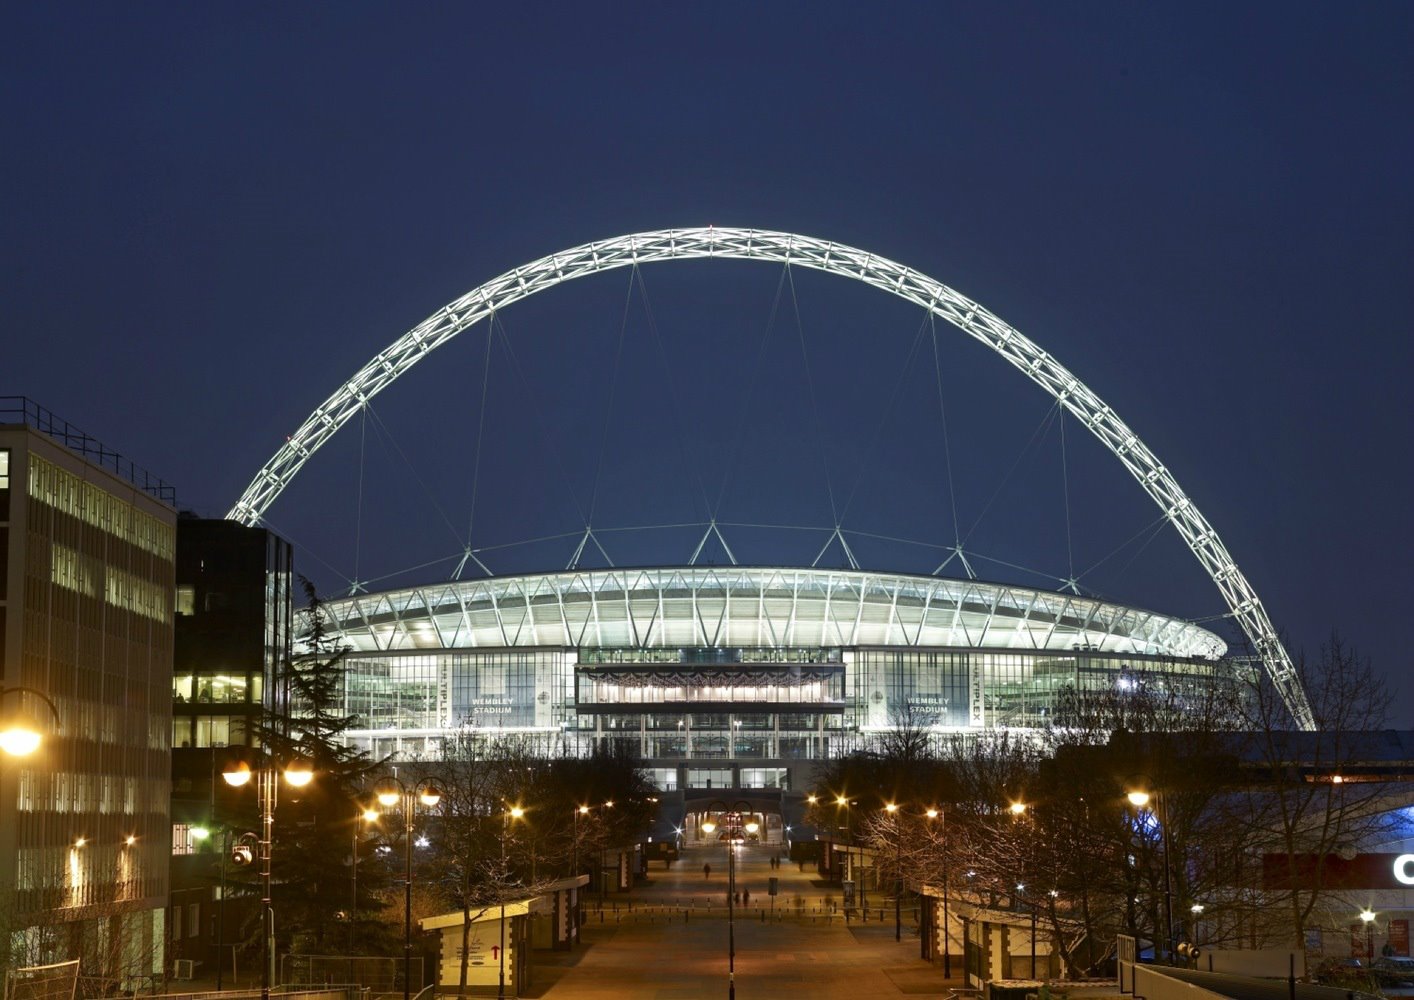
(833, 258)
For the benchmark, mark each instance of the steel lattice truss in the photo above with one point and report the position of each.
(834, 258)
(757, 607)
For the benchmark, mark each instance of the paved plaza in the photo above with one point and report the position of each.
(662, 942)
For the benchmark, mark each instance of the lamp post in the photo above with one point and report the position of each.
(20, 735)
(389, 792)
(892, 809)
(574, 850)
(1367, 916)
(511, 813)
(947, 930)
(1140, 797)
(732, 822)
(841, 802)
(360, 824)
(238, 774)
(201, 833)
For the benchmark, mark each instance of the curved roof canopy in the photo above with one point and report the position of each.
(699, 606)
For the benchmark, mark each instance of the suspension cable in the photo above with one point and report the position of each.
(1065, 493)
(1041, 429)
(538, 415)
(307, 551)
(814, 402)
(381, 430)
(943, 415)
(692, 469)
(609, 406)
(480, 430)
(740, 435)
(888, 412)
(1152, 526)
(358, 516)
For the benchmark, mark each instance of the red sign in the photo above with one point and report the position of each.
(1399, 936)
(1331, 871)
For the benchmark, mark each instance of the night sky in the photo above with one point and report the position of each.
(215, 214)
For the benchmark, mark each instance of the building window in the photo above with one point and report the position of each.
(665, 779)
(186, 600)
(213, 731)
(194, 920)
(182, 843)
(709, 777)
(763, 777)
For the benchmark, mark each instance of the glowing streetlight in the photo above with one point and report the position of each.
(389, 792)
(1018, 808)
(1143, 796)
(237, 773)
(20, 734)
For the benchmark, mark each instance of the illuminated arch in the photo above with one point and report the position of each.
(833, 258)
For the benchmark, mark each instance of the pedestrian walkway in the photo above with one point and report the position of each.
(662, 942)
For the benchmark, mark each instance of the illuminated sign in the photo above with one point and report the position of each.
(1404, 869)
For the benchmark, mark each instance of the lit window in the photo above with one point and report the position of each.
(186, 600)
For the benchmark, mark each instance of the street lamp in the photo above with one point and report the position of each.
(892, 809)
(1367, 916)
(933, 814)
(360, 825)
(732, 822)
(20, 734)
(842, 802)
(238, 774)
(511, 813)
(200, 834)
(1140, 797)
(389, 792)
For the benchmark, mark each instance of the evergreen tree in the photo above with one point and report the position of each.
(318, 832)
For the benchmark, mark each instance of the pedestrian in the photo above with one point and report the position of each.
(746, 897)
(736, 898)
(707, 871)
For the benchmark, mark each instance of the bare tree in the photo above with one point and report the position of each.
(1315, 803)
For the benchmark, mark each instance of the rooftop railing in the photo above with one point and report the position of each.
(21, 410)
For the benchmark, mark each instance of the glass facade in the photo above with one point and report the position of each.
(84, 827)
(748, 714)
(691, 711)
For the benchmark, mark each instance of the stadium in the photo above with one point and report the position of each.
(736, 676)
(743, 678)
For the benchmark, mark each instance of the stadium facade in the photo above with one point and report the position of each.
(739, 678)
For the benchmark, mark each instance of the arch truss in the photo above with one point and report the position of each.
(833, 258)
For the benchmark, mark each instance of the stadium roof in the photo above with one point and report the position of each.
(759, 607)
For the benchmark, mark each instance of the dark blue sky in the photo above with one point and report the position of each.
(216, 214)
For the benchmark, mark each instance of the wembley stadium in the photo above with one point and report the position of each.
(745, 678)
(738, 677)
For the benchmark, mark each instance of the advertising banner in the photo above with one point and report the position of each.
(1358, 939)
(1331, 871)
(1399, 937)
